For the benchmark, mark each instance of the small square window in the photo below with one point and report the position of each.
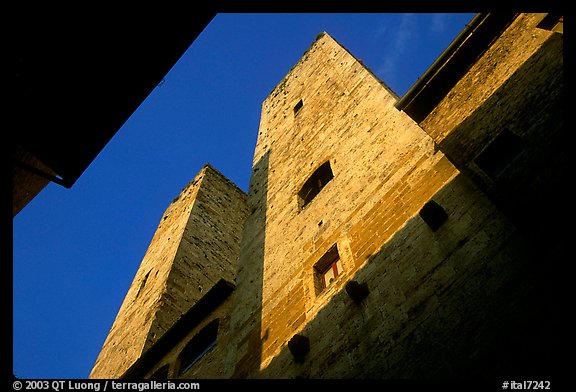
(327, 269)
(433, 214)
(298, 107)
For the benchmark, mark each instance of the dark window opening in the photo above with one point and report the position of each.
(499, 154)
(298, 107)
(327, 269)
(314, 185)
(433, 214)
(160, 374)
(199, 345)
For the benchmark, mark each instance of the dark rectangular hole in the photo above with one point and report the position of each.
(314, 184)
(298, 107)
(433, 214)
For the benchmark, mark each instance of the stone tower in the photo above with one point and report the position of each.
(196, 245)
(381, 237)
(369, 253)
(347, 188)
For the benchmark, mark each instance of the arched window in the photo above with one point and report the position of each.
(314, 184)
(199, 345)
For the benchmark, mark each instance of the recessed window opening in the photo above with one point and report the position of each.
(433, 214)
(199, 345)
(327, 269)
(298, 106)
(315, 184)
(499, 154)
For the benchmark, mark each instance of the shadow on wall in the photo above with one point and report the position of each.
(462, 301)
(246, 316)
(528, 105)
(530, 190)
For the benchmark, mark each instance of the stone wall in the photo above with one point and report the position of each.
(441, 302)
(515, 87)
(465, 296)
(212, 363)
(385, 169)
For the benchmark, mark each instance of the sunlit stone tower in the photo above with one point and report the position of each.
(194, 248)
(381, 236)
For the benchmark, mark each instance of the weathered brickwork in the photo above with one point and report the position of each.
(516, 87)
(378, 156)
(244, 357)
(449, 281)
(196, 244)
(521, 41)
(426, 288)
(385, 169)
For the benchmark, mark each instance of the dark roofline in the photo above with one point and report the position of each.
(198, 312)
(451, 65)
(80, 75)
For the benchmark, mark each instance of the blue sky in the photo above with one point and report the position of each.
(75, 251)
